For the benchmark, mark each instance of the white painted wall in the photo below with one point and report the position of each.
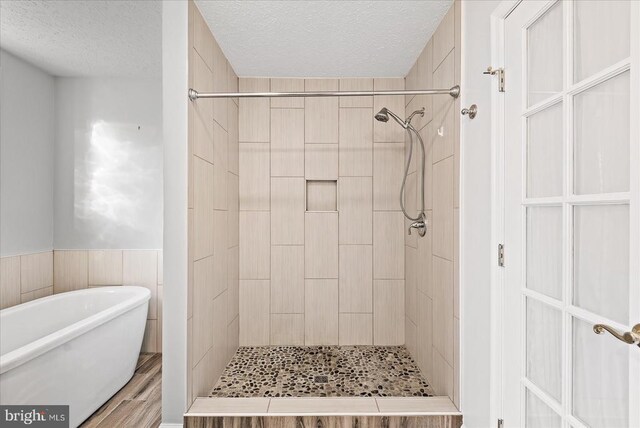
(108, 163)
(175, 73)
(477, 254)
(26, 157)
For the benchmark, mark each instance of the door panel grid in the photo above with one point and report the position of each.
(597, 206)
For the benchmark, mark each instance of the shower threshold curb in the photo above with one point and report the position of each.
(322, 406)
(314, 412)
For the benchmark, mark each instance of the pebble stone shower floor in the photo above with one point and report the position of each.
(322, 371)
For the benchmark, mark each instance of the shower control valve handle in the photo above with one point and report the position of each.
(420, 225)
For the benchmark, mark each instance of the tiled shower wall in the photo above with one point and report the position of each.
(321, 234)
(212, 311)
(432, 317)
(31, 276)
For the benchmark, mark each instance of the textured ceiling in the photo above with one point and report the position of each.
(85, 38)
(323, 38)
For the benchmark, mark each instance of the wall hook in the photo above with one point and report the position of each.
(471, 111)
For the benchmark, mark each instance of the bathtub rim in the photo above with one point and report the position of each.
(34, 349)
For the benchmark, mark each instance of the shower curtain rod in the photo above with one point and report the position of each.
(194, 95)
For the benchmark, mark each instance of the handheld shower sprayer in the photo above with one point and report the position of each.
(419, 222)
(383, 116)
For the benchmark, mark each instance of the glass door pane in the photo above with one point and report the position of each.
(544, 56)
(544, 347)
(539, 415)
(600, 378)
(544, 153)
(601, 137)
(601, 260)
(601, 35)
(544, 250)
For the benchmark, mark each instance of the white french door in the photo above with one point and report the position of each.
(571, 214)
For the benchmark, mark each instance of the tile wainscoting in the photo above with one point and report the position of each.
(32, 276)
(25, 277)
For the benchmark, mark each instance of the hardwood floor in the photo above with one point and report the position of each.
(138, 403)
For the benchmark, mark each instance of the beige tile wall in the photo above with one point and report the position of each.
(80, 269)
(214, 314)
(32, 276)
(26, 277)
(431, 263)
(318, 268)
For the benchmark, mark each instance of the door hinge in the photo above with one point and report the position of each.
(496, 72)
(500, 423)
(500, 254)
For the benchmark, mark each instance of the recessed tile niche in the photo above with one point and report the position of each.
(322, 195)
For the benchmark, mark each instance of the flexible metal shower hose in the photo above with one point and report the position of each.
(421, 215)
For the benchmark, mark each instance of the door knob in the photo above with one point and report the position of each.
(631, 337)
(471, 111)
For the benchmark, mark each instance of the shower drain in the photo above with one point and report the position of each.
(321, 379)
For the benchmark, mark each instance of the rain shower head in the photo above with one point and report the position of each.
(383, 116)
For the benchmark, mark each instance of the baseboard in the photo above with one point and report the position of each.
(166, 425)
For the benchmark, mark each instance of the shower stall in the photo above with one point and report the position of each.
(306, 275)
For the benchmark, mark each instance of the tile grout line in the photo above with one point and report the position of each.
(338, 225)
(373, 175)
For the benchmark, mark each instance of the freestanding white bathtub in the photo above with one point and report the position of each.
(77, 348)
